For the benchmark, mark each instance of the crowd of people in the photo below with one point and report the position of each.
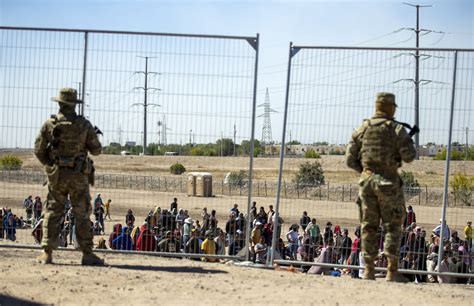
(173, 230)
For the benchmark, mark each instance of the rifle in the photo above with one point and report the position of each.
(413, 129)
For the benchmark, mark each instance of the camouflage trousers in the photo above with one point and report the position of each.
(382, 204)
(76, 185)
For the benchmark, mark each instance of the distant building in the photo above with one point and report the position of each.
(300, 150)
(430, 150)
(130, 143)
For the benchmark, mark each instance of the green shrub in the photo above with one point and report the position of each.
(309, 174)
(238, 178)
(410, 183)
(177, 168)
(409, 180)
(455, 155)
(10, 162)
(311, 154)
(462, 187)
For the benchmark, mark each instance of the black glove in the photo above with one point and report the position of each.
(414, 130)
(98, 131)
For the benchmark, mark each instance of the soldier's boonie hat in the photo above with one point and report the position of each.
(67, 96)
(385, 98)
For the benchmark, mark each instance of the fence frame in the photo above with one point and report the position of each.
(253, 41)
(293, 50)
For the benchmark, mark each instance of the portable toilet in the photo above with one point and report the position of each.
(191, 184)
(203, 184)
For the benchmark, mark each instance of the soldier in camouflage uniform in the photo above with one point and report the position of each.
(376, 150)
(62, 147)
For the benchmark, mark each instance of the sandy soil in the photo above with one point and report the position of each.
(136, 279)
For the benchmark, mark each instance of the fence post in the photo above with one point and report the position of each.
(230, 190)
(419, 198)
(266, 193)
(166, 185)
(284, 184)
(222, 185)
(328, 191)
(342, 193)
(320, 196)
(426, 187)
(350, 193)
(258, 188)
(240, 189)
(298, 189)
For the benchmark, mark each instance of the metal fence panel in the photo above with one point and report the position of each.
(152, 93)
(330, 91)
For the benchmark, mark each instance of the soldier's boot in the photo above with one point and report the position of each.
(392, 272)
(90, 259)
(46, 257)
(369, 270)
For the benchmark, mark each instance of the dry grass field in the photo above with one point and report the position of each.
(427, 171)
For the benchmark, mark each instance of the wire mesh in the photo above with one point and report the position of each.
(330, 91)
(160, 100)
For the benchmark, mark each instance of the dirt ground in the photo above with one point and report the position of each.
(137, 279)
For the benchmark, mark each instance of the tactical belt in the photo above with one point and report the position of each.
(371, 171)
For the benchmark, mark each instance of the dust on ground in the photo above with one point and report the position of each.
(137, 279)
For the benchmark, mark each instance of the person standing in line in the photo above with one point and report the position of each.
(28, 205)
(37, 208)
(468, 235)
(98, 202)
(376, 150)
(62, 146)
(174, 205)
(107, 209)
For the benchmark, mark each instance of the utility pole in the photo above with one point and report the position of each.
(145, 103)
(191, 138)
(222, 140)
(417, 73)
(467, 143)
(235, 133)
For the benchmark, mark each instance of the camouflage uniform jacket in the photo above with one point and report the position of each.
(379, 145)
(63, 138)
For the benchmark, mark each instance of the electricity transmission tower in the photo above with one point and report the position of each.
(267, 125)
(162, 128)
(119, 132)
(145, 103)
